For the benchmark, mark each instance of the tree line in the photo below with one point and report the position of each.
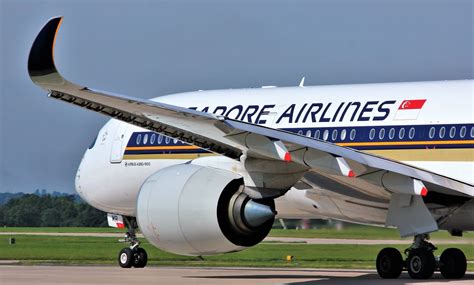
(32, 210)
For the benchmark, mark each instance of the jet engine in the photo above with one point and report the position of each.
(196, 210)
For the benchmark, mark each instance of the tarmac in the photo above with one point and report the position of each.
(11, 273)
(103, 275)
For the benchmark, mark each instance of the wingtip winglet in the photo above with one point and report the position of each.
(41, 58)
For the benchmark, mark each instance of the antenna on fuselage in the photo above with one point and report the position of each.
(302, 82)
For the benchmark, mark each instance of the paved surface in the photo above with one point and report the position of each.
(26, 275)
(363, 241)
(270, 239)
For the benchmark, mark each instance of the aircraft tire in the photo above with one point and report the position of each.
(389, 263)
(453, 263)
(421, 263)
(140, 258)
(125, 258)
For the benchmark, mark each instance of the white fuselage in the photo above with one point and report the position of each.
(429, 125)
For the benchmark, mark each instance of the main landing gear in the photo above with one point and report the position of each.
(133, 255)
(421, 262)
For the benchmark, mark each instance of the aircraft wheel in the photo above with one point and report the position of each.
(140, 258)
(453, 263)
(421, 263)
(389, 263)
(125, 258)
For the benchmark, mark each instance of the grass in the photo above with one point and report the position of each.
(349, 232)
(104, 250)
(358, 232)
(61, 230)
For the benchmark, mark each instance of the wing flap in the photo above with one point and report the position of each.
(374, 163)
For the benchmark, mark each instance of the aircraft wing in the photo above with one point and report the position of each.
(229, 137)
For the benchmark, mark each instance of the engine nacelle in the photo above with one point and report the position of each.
(195, 210)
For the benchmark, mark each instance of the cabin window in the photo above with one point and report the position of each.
(391, 133)
(317, 133)
(381, 133)
(463, 131)
(343, 134)
(145, 138)
(139, 139)
(152, 138)
(472, 132)
(160, 139)
(300, 132)
(326, 135)
(452, 132)
(167, 140)
(442, 132)
(372, 134)
(411, 133)
(334, 135)
(353, 134)
(432, 132)
(401, 133)
(308, 133)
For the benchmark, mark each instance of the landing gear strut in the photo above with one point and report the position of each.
(421, 262)
(133, 255)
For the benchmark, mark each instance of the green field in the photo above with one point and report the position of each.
(60, 230)
(104, 250)
(349, 232)
(359, 232)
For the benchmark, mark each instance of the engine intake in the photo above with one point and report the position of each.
(195, 210)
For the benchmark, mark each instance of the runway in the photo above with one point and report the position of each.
(26, 275)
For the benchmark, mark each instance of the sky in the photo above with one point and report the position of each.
(150, 48)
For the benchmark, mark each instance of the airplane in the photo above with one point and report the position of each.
(208, 172)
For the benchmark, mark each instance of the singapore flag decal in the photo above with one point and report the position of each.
(409, 109)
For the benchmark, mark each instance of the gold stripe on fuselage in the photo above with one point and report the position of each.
(425, 154)
(179, 147)
(466, 155)
(166, 156)
(442, 154)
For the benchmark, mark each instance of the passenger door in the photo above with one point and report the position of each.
(118, 143)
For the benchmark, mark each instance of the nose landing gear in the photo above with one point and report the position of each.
(129, 257)
(421, 262)
(133, 255)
